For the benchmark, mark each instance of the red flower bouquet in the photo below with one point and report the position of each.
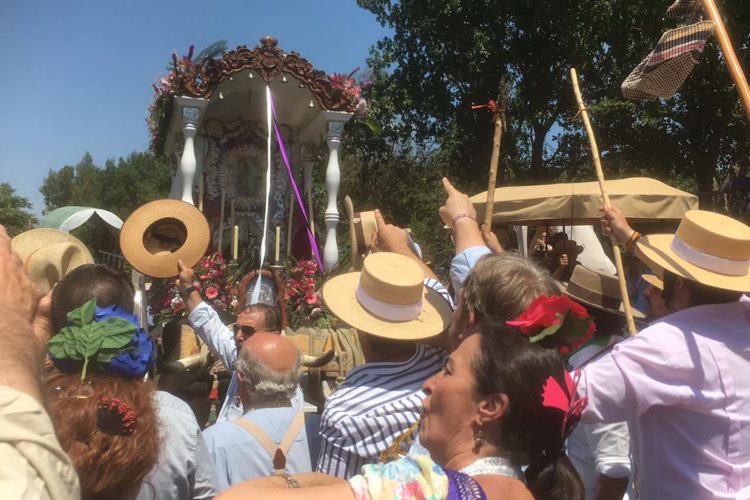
(559, 316)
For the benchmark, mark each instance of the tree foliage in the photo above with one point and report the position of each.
(13, 211)
(442, 57)
(119, 187)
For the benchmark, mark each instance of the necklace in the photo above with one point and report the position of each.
(493, 466)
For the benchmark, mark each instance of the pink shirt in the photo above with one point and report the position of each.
(683, 386)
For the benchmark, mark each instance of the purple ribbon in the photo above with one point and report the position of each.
(310, 235)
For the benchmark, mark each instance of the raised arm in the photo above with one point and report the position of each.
(391, 238)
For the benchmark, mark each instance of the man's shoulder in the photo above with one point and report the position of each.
(172, 409)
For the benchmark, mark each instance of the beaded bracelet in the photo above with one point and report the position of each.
(630, 245)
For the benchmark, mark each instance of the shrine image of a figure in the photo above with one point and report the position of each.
(246, 173)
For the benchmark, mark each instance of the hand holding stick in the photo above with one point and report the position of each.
(600, 176)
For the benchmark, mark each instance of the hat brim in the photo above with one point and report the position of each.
(339, 296)
(621, 311)
(164, 265)
(653, 280)
(655, 251)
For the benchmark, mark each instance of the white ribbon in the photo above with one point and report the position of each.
(384, 310)
(709, 262)
(269, 121)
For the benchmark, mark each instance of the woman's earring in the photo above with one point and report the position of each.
(479, 438)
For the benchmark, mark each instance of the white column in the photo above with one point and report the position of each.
(184, 180)
(333, 181)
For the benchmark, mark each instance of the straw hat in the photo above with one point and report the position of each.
(653, 280)
(388, 299)
(596, 289)
(361, 227)
(49, 254)
(160, 233)
(709, 248)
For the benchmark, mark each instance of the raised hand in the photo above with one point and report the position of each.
(614, 222)
(457, 204)
(390, 238)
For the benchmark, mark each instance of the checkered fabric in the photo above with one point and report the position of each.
(687, 11)
(667, 67)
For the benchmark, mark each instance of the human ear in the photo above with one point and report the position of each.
(492, 408)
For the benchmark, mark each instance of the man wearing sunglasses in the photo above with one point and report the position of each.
(224, 342)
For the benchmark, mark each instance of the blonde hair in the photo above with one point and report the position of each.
(501, 287)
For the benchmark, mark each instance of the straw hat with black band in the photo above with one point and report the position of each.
(160, 233)
(388, 299)
(596, 289)
(709, 248)
(49, 254)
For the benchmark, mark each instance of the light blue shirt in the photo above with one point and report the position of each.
(238, 456)
(462, 263)
(183, 470)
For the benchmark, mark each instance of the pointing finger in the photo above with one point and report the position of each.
(379, 219)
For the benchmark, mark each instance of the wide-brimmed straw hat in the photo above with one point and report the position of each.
(361, 227)
(653, 280)
(388, 299)
(160, 233)
(709, 248)
(49, 254)
(596, 289)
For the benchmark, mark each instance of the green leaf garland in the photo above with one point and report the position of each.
(85, 340)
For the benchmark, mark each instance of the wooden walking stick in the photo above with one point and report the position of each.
(726, 47)
(497, 117)
(600, 176)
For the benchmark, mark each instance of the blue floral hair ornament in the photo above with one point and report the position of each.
(109, 337)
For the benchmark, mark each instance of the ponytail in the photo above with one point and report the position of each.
(532, 432)
(554, 478)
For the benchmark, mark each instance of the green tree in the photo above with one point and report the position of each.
(442, 57)
(13, 214)
(119, 187)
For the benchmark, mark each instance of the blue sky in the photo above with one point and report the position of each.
(77, 74)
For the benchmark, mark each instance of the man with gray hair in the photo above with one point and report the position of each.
(270, 437)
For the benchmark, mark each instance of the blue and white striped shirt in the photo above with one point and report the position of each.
(376, 403)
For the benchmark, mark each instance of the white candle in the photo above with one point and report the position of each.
(235, 241)
(278, 244)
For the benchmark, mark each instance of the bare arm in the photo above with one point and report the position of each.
(185, 281)
(312, 485)
(19, 349)
(459, 213)
(390, 238)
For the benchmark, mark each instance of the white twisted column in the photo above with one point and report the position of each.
(333, 181)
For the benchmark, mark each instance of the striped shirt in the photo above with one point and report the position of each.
(376, 403)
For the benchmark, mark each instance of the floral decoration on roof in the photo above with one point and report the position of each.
(201, 76)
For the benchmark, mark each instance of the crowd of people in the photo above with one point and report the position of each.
(515, 379)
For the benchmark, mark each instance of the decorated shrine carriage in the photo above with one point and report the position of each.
(243, 129)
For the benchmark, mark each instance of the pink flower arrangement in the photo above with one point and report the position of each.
(215, 284)
(302, 295)
(348, 85)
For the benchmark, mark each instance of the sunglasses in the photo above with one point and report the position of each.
(246, 330)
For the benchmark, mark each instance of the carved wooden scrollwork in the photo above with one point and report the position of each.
(268, 61)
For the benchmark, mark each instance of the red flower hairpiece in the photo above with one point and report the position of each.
(558, 315)
(114, 416)
(565, 400)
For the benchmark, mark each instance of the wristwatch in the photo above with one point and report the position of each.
(186, 292)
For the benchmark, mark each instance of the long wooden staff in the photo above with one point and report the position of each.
(600, 176)
(726, 47)
(497, 117)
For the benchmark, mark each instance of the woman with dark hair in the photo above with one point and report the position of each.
(500, 403)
